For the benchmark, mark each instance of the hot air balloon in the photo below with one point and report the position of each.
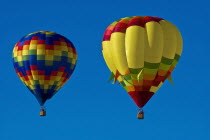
(141, 53)
(44, 61)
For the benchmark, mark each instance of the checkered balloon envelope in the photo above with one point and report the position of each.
(44, 61)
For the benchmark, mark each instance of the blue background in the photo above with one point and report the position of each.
(89, 108)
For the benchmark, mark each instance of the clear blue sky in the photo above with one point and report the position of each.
(89, 108)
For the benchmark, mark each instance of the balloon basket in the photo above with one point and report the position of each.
(42, 112)
(140, 114)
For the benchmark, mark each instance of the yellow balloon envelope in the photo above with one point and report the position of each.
(141, 52)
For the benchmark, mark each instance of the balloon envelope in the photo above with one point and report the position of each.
(141, 52)
(44, 61)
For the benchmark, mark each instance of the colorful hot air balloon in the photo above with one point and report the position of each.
(141, 52)
(44, 61)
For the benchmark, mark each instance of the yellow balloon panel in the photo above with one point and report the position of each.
(170, 39)
(118, 52)
(107, 54)
(153, 51)
(134, 45)
(179, 43)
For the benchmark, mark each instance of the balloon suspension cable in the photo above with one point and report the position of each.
(43, 111)
(42, 107)
(140, 114)
(123, 77)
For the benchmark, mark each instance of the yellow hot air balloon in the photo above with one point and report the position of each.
(141, 52)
